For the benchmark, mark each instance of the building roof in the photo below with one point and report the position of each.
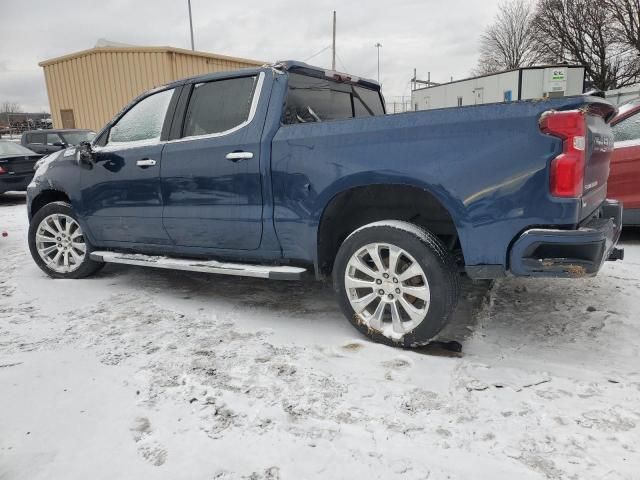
(533, 67)
(182, 51)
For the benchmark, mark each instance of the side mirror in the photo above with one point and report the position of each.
(59, 144)
(85, 154)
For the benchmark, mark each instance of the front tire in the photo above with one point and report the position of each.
(58, 245)
(396, 283)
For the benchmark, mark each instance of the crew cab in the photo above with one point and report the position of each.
(289, 169)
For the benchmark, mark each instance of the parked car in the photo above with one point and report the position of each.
(50, 140)
(276, 171)
(624, 179)
(16, 166)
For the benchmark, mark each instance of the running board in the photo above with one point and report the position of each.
(208, 266)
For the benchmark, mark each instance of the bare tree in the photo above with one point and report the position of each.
(510, 41)
(10, 107)
(626, 14)
(584, 32)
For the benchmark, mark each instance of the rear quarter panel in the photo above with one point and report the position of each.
(486, 164)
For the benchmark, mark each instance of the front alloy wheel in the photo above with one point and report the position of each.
(60, 243)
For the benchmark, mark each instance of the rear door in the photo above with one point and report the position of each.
(624, 180)
(211, 178)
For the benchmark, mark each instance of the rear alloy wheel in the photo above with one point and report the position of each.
(58, 244)
(387, 288)
(396, 283)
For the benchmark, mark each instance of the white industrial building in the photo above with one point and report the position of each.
(519, 84)
(623, 94)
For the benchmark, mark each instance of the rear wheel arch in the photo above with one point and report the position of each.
(358, 206)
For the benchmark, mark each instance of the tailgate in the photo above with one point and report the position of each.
(581, 169)
(598, 153)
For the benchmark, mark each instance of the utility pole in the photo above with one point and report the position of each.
(333, 57)
(190, 24)
(378, 45)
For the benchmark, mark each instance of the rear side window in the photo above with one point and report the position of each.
(219, 106)
(37, 138)
(312, 99)
(627, 129)
(143, 122)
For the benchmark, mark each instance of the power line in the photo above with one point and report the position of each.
(342, 63)
(318, 53)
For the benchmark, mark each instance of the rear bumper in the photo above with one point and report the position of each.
(15, 182)
(581, 252)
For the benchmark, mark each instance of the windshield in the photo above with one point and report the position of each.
(11, 149)
(74, 138)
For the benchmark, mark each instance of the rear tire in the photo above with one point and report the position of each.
(58, 245)
(406, 295)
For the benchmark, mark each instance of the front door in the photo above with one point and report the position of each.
(211, 177)
(121, 194)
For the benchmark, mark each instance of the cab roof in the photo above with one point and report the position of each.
(282, 66)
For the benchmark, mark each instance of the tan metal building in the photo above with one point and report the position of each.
(86, 89)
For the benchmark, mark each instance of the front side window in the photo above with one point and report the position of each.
(219, 106)
(53, 138)
(312, 99)
(143, 122)
(627, 129)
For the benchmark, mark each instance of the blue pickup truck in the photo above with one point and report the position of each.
(286, 170)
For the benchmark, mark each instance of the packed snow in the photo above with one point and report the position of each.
(151, 374)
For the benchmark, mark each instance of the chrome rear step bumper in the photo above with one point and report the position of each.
(272, 272)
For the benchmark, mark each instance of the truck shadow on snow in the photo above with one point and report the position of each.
(308, 300)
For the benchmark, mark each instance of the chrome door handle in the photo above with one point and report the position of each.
(235, 156)
(146, 162)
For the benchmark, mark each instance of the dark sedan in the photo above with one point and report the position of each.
(16, 166)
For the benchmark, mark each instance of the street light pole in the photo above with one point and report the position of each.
(190, 24)
(378, 45)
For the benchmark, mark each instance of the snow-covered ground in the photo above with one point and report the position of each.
(146, 374)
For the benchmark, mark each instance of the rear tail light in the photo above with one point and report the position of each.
(567, 169)
(2, 171)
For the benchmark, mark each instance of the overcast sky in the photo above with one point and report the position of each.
(440, 36)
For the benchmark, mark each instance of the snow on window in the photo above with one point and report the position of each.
(143, 122)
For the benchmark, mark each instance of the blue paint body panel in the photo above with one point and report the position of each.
(487, 165)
